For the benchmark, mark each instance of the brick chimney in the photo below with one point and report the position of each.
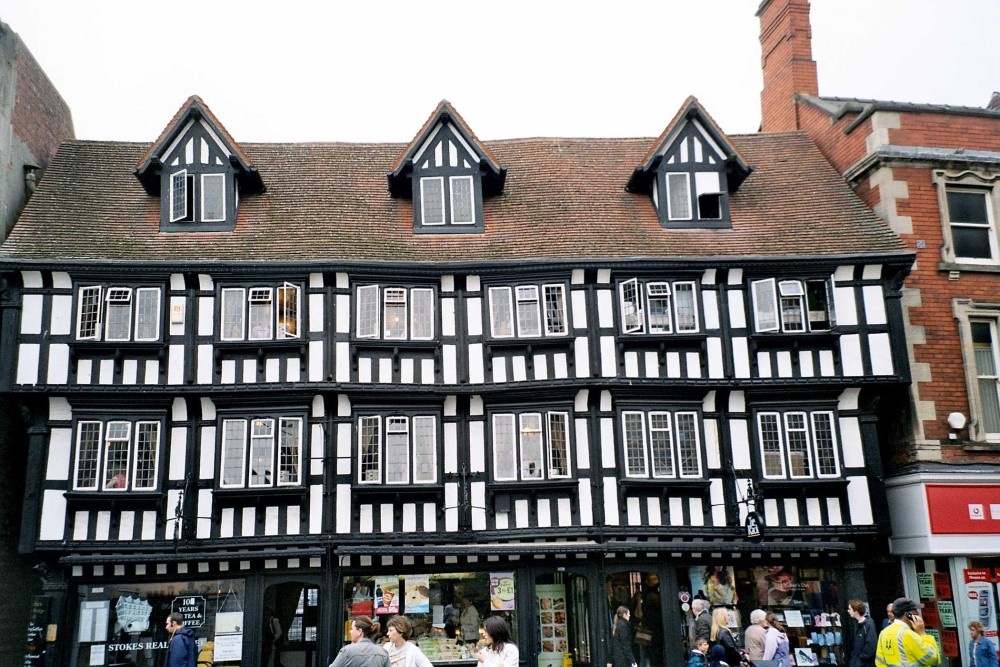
(786, 62)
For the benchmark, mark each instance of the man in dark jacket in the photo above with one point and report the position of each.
(182, 650)
(702, 620)
(865, 636)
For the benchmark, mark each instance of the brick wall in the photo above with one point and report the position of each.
(786, 62)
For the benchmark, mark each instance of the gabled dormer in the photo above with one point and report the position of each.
(447, 172)
(198, 172)
(691, 171)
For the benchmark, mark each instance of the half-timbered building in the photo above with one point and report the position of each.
(275, 385)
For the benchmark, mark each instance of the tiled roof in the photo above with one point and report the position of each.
(564, 199)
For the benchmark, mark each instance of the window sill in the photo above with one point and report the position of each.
(399, 493)
(259, 496)
(114, 500)
(958, 267)
(117, 349)
(800, 488)
(666, 487)
(566, 341)
(807, 340)
(382, 344)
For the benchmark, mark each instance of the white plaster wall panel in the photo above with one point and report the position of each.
(178, 409)
(697, 510)
(31, 314)
(806, 368)
(582, 430)
(845, 305)
(784, 358)
(474, 316)
(519, 369)
(152, 372)
(654, 514)
(607, 443)
(450, 447)
(58, 367)
(342, 313)
(737, 401)
(430, 518)
(771, 512)
(107, 372)
(249, 371)
(249, 521)
(502, 520)
(315, 508)
(814, 512)
(448, 317)
(341, 280)
(81, 521)
(427, 370)
(578, 302)
(713, 452)
(675, 511)
(605, 309)
(673, 365)
(317, 449)
(585, 502)
(60, 280)
(451, 501)
(741, 357)
(386, 515)
(843, 273)
(33, 279)
(827, 367)
(316, 360)
(61, 318)
(477, 371)
(764, 364)
(874, 301)
(149, 522)
(204, 530)
(449, 362)
(850, 355)
(406, 371)
(872, 272)
(343, 370)
(206, 314)
(603, 276)
(175, 364)
(716, 365)
(385, 370)
(859, 501)
(293, 370)
(227, 522)
(693, 363)
(522, 517)
(60, 459)
(611, 501)
(84, 368)
(791, 512)
(717, 502)
(633, 512)
(710, 303)
(631, 364)
(228, 371)
(740, 443)
(272, 369)
(317, 318)
(53, 522)
(560, 366)
(708, 401)
(544, 513)
(477, 494)
(178, 453)
(651, 363)
(850, 442)
(130, 370)
(564, 512)
(343, 504)
(409, 522)
(126, 526)
(881, 354)
(541, 367)
(835, 518)
(293, 520)
(206, 462)
(477, 450)
(27, 363)
(580, 400)
(737, 310)
(206, 364)
(581, 357)
(102, 526)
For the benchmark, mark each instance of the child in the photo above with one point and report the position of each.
(699, 654)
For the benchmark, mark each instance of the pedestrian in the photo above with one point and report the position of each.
(621, 640)
(865, 636)
(402, 652)
(181, 648)
(702, 620)
(699, 654)
(499, 651)
(776, 642)
(981, 651)
(362, 651)
(723, 636)
(717, 657)
(753, 636)
(889, 618)
(905, 643)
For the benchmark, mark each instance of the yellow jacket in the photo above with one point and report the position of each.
(206, 656)
(900, 646)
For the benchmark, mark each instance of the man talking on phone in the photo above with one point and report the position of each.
(904, 643)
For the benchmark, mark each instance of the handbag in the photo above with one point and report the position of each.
(643, 636)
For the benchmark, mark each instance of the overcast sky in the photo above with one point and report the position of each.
(373, 71)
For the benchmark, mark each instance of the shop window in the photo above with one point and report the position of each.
(116, 455)
(658, 307)
(531, 446)
(798, 445)
(397, 449)
(262, 452)
(261, 313)
(639, 593)
(290, 625)
(528, 311)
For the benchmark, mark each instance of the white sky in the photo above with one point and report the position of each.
(374, 70)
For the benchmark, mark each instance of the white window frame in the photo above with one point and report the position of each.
(671, 215)
(529, 311)
(530, 442)
(289, 322)
(771, 299)
(117, 314)
(640, 443)
(425, 181)
(969, 312)
(128, 433)
(502, 312)
(554, 327)
(243, 307)
(253, 436)
(471, 200)
(222, 196)
(421, 449)
(634, 296)
(989, 195)
(417, 305)
(395, 309)
(96, 304)
(142, 296)
(808, 431)
(512, 307)
(260, 310)
(178, 192)
(89, 310)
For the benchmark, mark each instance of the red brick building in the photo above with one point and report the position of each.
(932, 172)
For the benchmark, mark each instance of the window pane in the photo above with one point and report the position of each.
(89, 313)
(117, 443)
(687, 444)
(233, 447)
(792, 318)
(424, 449)
(972, 242)
(770, 445)
(290, 451)
(986, 374)
(532, 464)
(528, 318)
(147, 314)
(213, 197)
(658, 300)
(631, 306)
(633, 427)
(88, 448)
(232, 314)
(678, 197)
(826, 448)
(555, 309)
(288, 311)
(687, 312)
(368, 307)
(818, 303)
(369, 456)
(261, 313)
(178, 196)
(797, 439)
(501, 318)
(395, 313)
(397, 450)
(147, 441)
(661, 444)
(504, 453)
(558, 444)
(432, 201)
(422, 314)
(262, 452)
(967, 207)
(765, 305)
(119, 314)
(461, 200)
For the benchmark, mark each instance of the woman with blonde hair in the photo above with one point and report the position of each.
(722, 636)
(981, 648)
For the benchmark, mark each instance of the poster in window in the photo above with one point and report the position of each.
(418, 594)
(715, 583)
(502, 591)
(387, 595)
(228, 636)
(552, 627)
(925, 585)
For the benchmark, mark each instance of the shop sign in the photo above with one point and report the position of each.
(501, 591)
(228, 636)
(957, 509)
(754, 527)
(925, 585)
(946, 610)
(133, 614)
(192, 607)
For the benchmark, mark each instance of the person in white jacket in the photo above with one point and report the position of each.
(403, 652)
(499, 651)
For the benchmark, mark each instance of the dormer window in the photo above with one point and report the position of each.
(461, 202)
(209, 192)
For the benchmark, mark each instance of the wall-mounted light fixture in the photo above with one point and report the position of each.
(956, 420)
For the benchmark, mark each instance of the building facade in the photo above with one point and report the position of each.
(931, 172)
(274, 386)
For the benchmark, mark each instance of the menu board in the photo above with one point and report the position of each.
(552, 627)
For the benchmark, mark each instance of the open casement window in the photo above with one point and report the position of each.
(180, 197)
(116, 456)
(531, 446)
(288, 312)
(409, 455)
(798, 445)
(972, 225)
(792, 306)
(658, 307)
(121, 314)
(661, 445)
(261, 452)
(260, 313)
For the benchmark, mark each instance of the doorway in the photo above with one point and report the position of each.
(564, 626)
(290, 625)
(639, 592)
